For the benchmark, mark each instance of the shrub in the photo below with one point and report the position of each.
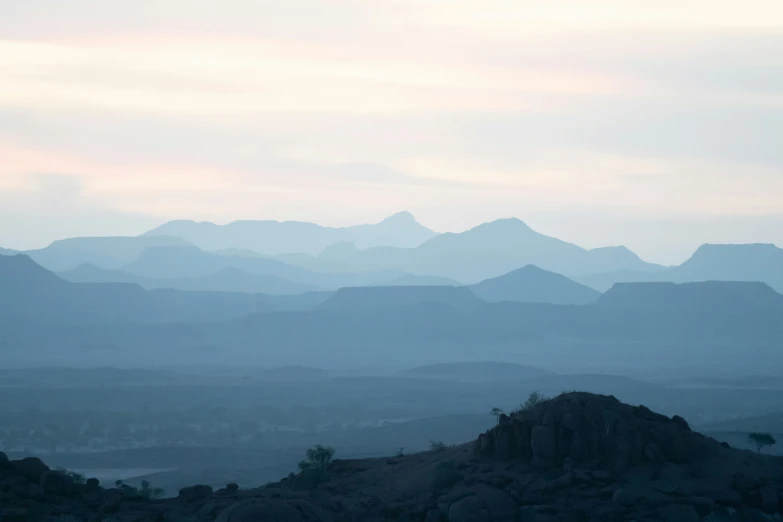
(318, 458)
(76, 477)
(437, 446)
(533, 400)
(313, 470)
(146, 491)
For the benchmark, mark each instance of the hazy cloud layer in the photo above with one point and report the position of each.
(656, 125)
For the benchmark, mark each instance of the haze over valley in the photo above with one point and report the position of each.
(391, 261)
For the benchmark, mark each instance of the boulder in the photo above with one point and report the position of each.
(704, 505)
(195, 493)
(32, 468)
(499, 505)
(55, 483)
(469, 509)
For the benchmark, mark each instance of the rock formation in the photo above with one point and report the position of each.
(576, 458)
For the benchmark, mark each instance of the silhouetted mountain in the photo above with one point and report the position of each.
(368, 298)
(534, 285)
(191, 262)
(273, 237)
(105, 252)
(220, 306)
(475, 372)
(715, 296)
(226, 280)
(419, 280)
(30, 293)
(733, 263)
(8, 252)
(753, 262)
(339, 251)
(699, 324)
(768, 423)
(489, 250)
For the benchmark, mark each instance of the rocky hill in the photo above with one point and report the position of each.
(578, 457)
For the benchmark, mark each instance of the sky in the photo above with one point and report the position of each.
(653, 124)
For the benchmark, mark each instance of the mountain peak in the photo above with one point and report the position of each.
(399, 218)
(505, 225)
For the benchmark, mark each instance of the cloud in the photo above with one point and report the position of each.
(347, 110)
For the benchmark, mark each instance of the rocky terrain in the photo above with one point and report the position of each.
(578, 457)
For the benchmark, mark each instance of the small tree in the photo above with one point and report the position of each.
(147, 491)
(533, 400)
(313, 469)
(318, 459)
(496, 412)
(761, 440)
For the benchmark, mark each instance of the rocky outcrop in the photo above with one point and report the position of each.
(598, 432)
(576, 458)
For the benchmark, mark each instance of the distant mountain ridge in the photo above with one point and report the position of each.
(177, 262)
(367, 298)
(106, 252)
(475, 372)
(345, 257)
(750, 262)
(486, 251)
(657, 323)
(275, 237)
(30, 293)
(531, 284)
(225, 280)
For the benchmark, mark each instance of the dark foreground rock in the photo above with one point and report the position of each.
(576, 458)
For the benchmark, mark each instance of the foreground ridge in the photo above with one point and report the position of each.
(578, 457)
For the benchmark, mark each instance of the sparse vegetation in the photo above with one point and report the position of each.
(318, 459)
(533, 400)
(496, 412)
(146, 491)
(761, 440)
(446, 476)
(313, 470)
(76, 477)
(401, 452)
(437, 446)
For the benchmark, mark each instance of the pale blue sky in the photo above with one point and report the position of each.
(652, 124)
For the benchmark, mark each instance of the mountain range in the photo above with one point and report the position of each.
(486, 251)
(32, 294)
(752, 262)
(274, 237)
(632, 324)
